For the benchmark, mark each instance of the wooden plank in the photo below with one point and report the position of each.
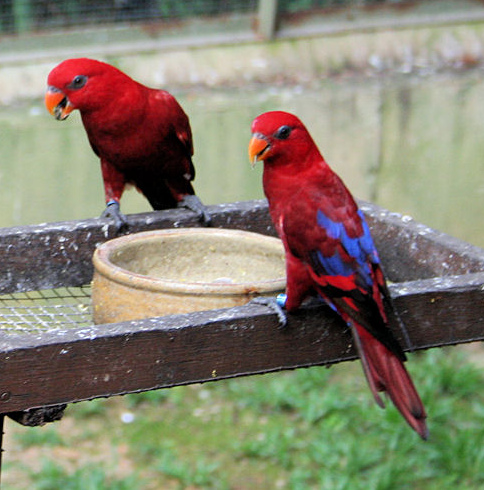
(442, 310)
(69, 366)
(59, 254)
(443, 306)
(410, 250)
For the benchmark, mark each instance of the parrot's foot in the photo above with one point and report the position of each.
(275, 304)
(193, 203)
(112, 211)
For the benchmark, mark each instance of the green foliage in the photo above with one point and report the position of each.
(53, 477)
(202, 473)
(311, 428)
(43, 436)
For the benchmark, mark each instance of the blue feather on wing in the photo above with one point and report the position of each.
(360, 248)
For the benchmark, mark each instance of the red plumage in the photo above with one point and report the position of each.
(330, 252)
(141, 135)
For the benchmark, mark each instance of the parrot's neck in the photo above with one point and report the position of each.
(282, 180)
(284, 184)
(117, 113)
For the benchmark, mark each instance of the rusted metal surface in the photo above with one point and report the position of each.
(438, 291)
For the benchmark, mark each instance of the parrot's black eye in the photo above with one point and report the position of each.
(283, 133)
(78, 82)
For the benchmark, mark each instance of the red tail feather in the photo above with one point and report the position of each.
(386, 372)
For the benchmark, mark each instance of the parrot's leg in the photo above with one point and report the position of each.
(112, 211)
(192, 202)
(276, 304)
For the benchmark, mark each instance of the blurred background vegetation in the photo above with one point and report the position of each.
(392, 91)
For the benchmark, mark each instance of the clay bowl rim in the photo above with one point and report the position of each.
(111, 271)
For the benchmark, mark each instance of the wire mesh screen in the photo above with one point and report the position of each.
(303, 5)
(22, 15)
(34, 15)
(52, 309)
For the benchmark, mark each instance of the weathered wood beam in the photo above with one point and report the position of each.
(443, 306)
(410, 250)
(105, 360)
(59, 254)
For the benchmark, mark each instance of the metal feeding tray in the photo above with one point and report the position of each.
(51, 353)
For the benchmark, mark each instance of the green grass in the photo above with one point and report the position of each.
(54, 477)
(312, 428)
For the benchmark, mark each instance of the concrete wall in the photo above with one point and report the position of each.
(425, 50)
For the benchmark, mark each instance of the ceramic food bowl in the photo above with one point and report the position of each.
(175, 271)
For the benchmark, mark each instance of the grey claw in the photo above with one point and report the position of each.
(113, 211)
(275, 304)
(193, 203)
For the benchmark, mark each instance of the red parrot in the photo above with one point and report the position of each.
(330, 253)
(141, 135)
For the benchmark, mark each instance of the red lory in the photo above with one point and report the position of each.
(141, 135)
(330, 253)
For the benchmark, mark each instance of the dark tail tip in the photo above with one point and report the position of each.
(422, 430)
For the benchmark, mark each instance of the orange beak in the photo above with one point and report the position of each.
(258, 148)
(57, 103)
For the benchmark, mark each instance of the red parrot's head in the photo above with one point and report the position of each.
(278, 136)
(80, 83)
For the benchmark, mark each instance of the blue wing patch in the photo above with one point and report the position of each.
(360, 248)
(335, 265)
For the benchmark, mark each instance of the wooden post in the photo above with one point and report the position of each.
(267, 15)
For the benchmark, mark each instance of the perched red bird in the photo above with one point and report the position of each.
(330, 253)
(141, 135)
